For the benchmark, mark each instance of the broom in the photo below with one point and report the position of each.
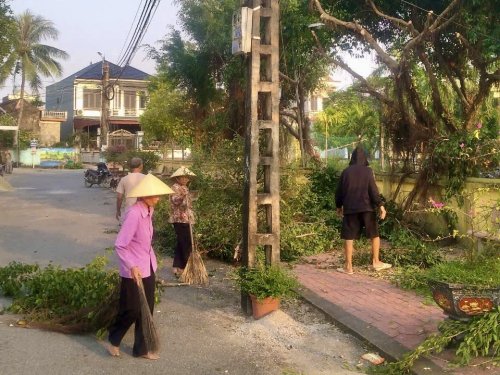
(195, 271)
(151, 339)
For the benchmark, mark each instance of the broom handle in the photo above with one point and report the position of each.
(193, 247)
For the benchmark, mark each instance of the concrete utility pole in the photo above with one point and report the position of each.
(104, 103)
(261, 212)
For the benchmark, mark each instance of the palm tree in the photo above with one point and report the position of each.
(33, 58)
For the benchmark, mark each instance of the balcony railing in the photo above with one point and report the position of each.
(126, 112)
(53, 115)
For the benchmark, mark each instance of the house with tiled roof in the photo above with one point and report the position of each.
(80, 96)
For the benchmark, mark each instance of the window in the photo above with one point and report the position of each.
(143, 99)
(314, 103)
(91, 98)
(129, 99)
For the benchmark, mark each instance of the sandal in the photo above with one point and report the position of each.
(383, 266)
(342, 270)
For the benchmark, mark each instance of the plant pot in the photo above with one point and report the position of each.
(462, 302)
(263, 307)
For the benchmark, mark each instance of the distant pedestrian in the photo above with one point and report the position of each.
(182, 217)
(8, 162)
(125, 185)
(357, 199)
(137, 261)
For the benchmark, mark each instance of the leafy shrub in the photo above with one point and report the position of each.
(13, 276)
(54, 291)
(83, 298)
(164, 238)
(120, 155)
(267, 281)
(481, 272)
(479, 338)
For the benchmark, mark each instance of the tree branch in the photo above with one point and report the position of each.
(360, 31)
(284, 76)
(436, 96)
(460, 91)
(363, 81)
(288, 126)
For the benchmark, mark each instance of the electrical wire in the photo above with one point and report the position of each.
(447, 19)
(131, 26)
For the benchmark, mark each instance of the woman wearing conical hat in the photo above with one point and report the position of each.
(137, 261)
(181, 216)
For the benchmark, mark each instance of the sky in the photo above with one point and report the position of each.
(90, 26)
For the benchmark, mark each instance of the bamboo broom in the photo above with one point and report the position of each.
(151, 339)
(195, 271)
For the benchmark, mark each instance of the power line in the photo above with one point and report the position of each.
(448, 19)
(129, 30)
(141, 28)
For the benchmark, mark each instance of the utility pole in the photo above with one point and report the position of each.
(104, 104)
(261, 213)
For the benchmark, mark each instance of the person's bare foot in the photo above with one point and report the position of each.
(151, 356)
(113, 351)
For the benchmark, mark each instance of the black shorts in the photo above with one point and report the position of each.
(352, 224)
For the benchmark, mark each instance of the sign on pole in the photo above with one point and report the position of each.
(33, 144)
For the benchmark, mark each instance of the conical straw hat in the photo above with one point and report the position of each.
(149, 186)
(183, 171)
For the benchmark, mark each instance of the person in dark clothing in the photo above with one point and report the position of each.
(357, 199)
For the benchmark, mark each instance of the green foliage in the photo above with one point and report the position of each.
(347, 117)
(164, 238)
(480, 338)
(411, 277)
(479, 272)
(167, 117)
(267, 281)
(308, 221)
(7, 137)
(7, 26)
(35, 57)
(53, 291)
(464, 154)
(220, 196)
(120, 155)
(13, 276)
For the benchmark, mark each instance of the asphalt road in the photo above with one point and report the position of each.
(50, 216)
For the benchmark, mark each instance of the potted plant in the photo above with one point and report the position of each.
(470, 286)
(266, 285)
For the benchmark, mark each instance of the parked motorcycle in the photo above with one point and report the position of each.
(101, 176)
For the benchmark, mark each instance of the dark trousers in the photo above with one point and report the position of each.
(183, 246)
(129, 312)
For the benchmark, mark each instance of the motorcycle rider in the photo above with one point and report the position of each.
(126, 184)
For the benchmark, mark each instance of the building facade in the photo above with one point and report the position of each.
(81, 96)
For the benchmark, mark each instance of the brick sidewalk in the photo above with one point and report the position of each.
(392, 320)
(399, 314)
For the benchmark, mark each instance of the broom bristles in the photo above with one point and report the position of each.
(195, 271)
(151, 338)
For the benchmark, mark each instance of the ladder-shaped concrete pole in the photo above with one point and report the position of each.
(261, 213)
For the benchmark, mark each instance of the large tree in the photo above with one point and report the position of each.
(199, 62)
(451, 45)
(33, 58)
(7, 27)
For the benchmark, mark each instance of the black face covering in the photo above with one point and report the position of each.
(359, 157)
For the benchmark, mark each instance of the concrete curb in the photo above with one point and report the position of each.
(385, 344)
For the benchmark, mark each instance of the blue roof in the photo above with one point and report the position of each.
(94, 71)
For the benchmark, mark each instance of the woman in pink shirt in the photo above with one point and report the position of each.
(137, 261)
